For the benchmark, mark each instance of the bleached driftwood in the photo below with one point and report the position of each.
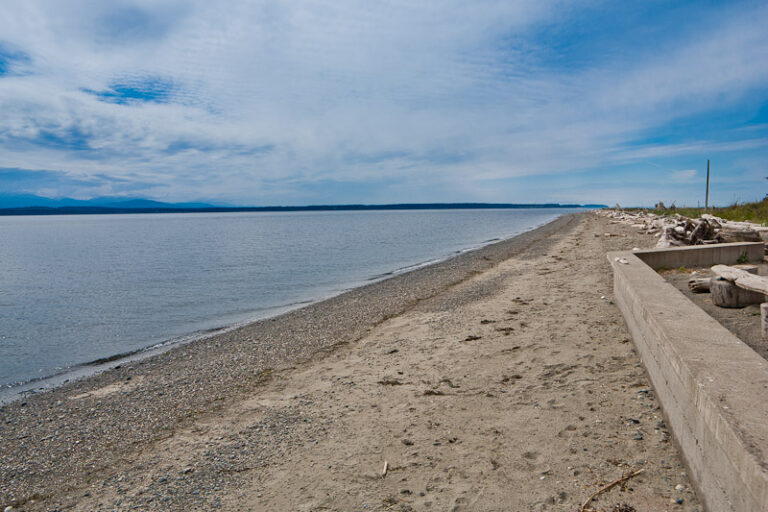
(727, 294)
(747, 267)
(699, 284)
(742, 278)
(741, 235)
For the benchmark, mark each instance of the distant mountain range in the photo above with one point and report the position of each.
(30, 200)
(28, 204)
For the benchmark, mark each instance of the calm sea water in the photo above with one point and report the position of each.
(74, 289)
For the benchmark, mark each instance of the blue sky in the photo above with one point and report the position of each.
(318, 101)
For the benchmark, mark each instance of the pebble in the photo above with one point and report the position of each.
(8, 509)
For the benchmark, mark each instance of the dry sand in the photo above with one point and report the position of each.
(502, 380)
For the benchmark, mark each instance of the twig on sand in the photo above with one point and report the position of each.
(386, 468)
(608, 487)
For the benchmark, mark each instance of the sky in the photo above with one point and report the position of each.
(338, 101)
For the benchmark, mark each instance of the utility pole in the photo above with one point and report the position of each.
(706, 201)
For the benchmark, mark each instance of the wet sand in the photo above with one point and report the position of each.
(497, 380)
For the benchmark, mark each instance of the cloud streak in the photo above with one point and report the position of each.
(268, 102)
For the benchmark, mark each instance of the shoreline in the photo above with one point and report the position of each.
(19, 390)
(499, 370)
(213, 372)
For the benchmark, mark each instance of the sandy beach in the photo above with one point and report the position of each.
(502, 379)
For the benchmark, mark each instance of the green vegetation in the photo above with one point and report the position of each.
(753, 212)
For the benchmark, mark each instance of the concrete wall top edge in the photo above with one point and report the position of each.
(702, 255)
(697, 248)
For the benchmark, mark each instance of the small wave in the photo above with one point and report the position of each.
(381, 276)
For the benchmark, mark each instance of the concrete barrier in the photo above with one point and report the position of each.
(712, 387)
(702, 255)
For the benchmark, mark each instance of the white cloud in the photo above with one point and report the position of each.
(450, 92)
(684, 175)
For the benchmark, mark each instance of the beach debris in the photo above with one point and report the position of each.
(737, 286)
(727, 235)
(385, 470)
(472, 337)
(608, 487)
(623, 261)
(727, 294)
(699, 284)
(675, 230)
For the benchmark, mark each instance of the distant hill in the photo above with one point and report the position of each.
(36, 205)
(148, 203)
(24, 200)
(30, 200)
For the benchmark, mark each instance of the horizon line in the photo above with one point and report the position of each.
(85, 210)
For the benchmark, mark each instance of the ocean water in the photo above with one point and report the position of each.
(75, 289)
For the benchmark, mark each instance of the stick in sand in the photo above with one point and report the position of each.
(607, 487)
(386, 468)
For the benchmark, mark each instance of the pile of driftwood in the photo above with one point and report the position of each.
(705, 230)
(676, 230)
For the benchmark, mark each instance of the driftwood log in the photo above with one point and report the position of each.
(742, 278)
(699, 284)
(742, 235)
(727, 294)
(703, 231)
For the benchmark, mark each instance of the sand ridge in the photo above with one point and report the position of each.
(515, 389)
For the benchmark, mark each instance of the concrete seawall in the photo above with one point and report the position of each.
(713, 388)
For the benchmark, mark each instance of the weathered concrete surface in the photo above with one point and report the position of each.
(702, 255)
(712, 387)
